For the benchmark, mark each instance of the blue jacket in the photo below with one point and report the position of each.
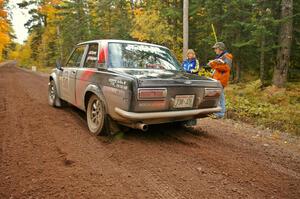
(191, 66)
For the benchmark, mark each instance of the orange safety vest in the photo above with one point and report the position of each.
(222, 70)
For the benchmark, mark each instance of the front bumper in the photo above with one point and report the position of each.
(165, 115)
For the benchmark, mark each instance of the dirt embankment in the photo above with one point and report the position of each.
(48, 152)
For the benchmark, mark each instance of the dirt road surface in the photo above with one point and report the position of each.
(49, 153)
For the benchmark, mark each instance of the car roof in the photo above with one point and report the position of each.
(119, 41)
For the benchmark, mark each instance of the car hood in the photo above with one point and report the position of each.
(152, 77)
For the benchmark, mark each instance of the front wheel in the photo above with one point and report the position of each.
(96, 115)
(53, 97)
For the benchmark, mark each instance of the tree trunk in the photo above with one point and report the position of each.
(185, 26)
(262, 60)
(285, 42)
(60, 47)
(237, 69)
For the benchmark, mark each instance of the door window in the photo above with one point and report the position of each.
(76, 57)
(92, 56)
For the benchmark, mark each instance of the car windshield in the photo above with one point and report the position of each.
(141, 56)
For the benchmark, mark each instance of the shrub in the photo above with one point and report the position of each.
(271, 107)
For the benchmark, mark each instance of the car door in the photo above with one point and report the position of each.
(86, 74)
(68, 82)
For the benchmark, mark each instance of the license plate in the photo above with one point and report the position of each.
(184, 101)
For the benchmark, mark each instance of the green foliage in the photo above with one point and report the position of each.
(5, 29)
(204, 72)
(159, 22)
(271, 107)
(243, 25)
(295, 62)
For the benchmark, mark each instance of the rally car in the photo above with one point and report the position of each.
(131, 84)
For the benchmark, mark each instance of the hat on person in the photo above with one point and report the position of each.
(219, 45)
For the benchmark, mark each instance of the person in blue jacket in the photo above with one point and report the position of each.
(191, 64)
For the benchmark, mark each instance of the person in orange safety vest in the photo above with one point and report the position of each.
(221, 66)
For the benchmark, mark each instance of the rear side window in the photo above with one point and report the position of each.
(92, 56)
(76, 57)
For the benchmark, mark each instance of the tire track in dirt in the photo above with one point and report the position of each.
(191, 140)
(3, 110)
(235, 170)
(244, 159)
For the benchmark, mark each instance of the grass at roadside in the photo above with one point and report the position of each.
(45, 69)
(38, 68)
(275, 108)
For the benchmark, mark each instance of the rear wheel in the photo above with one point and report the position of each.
(96, 115)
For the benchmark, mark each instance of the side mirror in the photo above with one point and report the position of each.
(59, 65)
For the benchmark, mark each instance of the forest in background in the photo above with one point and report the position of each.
(250, 29)
(259, 33)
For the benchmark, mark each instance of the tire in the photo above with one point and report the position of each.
(53, 98)
(96, 116)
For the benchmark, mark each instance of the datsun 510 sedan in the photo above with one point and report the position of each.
(133, 84)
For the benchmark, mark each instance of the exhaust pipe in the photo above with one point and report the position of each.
(140, 126)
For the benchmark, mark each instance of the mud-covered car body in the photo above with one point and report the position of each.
(134, 93)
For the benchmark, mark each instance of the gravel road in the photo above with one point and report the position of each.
(49, 153)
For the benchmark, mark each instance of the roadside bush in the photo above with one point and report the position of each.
(271, 107)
